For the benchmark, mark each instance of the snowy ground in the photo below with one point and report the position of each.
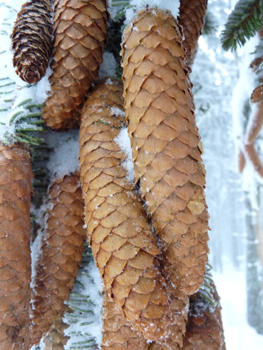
(231, 287)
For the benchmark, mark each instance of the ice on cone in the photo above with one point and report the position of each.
(121, 239)
(15, 269)
(61, 253)
(80, 35)
(192, 19)
(32, 40)
(166, 145)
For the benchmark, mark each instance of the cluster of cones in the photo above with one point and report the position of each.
(149, 239)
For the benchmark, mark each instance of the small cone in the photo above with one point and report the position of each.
(256, 124)
(31, 40)
(241, 161)
(15, 200)
(121, 239)
(257, 94)
(62, 247)
(254, 159)
(117, 332)
(192, 19)
(55, 339)
(166, 146)
(205, 329)
(80, 36)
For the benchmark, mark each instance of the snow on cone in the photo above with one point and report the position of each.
(117, 332)
(15, 200)
(121, 239)
(192, 19)
(256, 124)
(165, 144)
(204, 328)
(61, 253)
(32, 40)
(80, 34)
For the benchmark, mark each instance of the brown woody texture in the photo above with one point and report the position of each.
(121, 239)
(192, 19)
(117, 332)
(61, 253)
(257, 94)
(166, 145)
(15, 261)
(256, 124)
(80, 36)
(31, 40)
(55, 339)
(204, 329)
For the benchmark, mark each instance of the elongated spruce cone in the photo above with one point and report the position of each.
(15, 261)
(253, 157)
(61, 253)
(32, 40)
(241, 161)
(121, 239)
(204, 329)
(192, 19)
(165, 144)
(80, 34)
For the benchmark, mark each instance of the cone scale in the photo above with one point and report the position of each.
(32, 40)
(192, 19)
(15, 272)
(62, 246)
(166, 146)
(80, 36)
(121, 239)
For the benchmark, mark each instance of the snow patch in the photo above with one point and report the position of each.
(108, 67)
(123, 141)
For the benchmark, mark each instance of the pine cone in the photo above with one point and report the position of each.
(123, 245)
(192, 19)
(205, 328)
(80, 36)
(256, 124)
(257, 94)
(15, 272)
(117, 332)
(55, 339)
(254, 159)
(165, 144)
(31, 40)
(62, 247)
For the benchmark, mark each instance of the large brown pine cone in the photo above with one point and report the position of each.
(120, 236)
(166, 145)
(192, 19)
(15, 261)
(80, 34)
(61, 253)
(32, 40)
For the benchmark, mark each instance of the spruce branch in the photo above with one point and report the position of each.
(243, 23)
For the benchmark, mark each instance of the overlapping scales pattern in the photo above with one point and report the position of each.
(205, 328)
(120, 237)
(32, 40)
(117, 332)
(192, 19)
(165, 144)
(15, 272)
(61, 253)
(80, 36)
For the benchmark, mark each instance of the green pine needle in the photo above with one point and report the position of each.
(243, 23)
